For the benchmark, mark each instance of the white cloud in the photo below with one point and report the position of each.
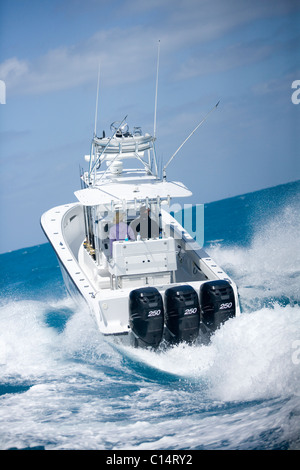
(124, 57)
(282, 84)
(13, 70)
(225, 58)
(127, 53)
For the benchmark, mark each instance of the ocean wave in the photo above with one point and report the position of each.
(268, 270)
(64, 386)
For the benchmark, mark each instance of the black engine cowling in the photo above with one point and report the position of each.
(146, 317)
(217, 303)
(182, 314)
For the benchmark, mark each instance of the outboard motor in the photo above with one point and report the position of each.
(146, 317)
(217, 303)
(182, 314)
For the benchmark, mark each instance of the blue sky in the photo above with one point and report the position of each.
(245, 54)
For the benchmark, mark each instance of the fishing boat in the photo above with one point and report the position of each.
(122, 249)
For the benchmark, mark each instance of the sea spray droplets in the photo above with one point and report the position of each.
(27, 346)
(268, 270)
(66, 388)
(254, 356)
(249, 358)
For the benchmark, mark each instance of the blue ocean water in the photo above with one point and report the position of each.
(62, 386)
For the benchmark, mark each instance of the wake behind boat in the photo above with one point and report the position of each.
(121, 250)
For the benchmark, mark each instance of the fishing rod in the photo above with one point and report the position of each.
(190, 135)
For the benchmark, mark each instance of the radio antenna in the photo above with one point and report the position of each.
(97, 97)
(155, 107)
(198, 125)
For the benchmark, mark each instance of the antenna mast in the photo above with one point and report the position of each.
(155, 107)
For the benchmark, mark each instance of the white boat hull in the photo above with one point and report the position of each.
(64, 228)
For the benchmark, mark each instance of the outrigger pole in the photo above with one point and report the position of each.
(95, 125)
(97, 97)
(155, 107)
(201, 122)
